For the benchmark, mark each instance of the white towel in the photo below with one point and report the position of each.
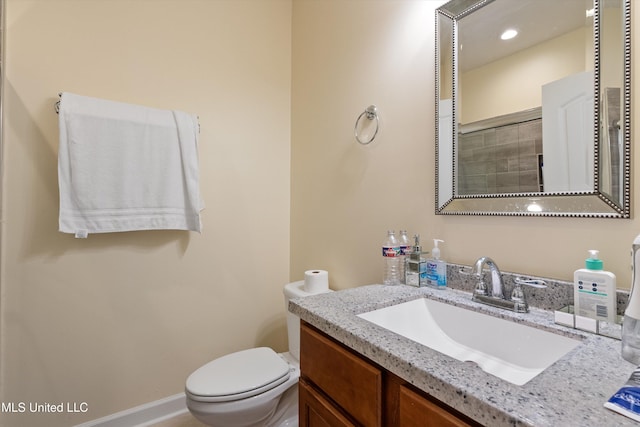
(124, 167)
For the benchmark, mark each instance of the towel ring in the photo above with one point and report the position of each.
(371, 113)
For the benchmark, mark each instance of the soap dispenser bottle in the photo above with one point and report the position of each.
(416, 266)
(631, 321)
(594, 290)
(436, 268)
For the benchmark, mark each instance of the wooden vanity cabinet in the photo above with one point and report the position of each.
(338, 387)
(334, 374)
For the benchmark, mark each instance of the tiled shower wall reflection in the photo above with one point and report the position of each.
(505, 159)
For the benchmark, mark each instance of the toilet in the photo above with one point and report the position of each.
(254, 387)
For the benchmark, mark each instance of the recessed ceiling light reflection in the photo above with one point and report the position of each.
(534, 206)
(509, 34)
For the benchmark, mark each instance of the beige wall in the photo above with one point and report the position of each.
(121, 319)
(348, 55)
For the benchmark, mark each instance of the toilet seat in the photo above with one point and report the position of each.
(238, 375)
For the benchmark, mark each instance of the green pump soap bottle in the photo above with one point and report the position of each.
(594, 290)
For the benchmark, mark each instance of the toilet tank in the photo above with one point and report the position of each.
(295, 290)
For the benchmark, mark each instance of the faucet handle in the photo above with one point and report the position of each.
(534, 283)
(480, 288)
(465, 270)
(517, 295)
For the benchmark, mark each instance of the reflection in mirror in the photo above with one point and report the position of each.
(444, 124)
(537, 124)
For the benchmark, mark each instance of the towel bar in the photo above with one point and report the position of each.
(57, 108)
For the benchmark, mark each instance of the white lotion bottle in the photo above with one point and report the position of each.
(631, 321)
(594, 290)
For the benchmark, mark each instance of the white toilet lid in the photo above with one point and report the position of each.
(238, 375)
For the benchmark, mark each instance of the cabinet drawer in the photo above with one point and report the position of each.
(417, 411)
(353, 383)
(316, 411)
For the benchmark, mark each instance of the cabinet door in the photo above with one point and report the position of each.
(316, 411)
(353, 384)
(417, 411)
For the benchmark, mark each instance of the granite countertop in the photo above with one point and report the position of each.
(571, 392)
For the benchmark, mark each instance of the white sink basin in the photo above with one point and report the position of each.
(508, 350)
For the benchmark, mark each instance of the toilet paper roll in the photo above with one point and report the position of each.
(316, 281)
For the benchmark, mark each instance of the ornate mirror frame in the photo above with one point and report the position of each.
(593, 204)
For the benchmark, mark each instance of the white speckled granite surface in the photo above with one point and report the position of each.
(571, 392)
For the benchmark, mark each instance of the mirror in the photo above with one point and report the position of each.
(539, 124)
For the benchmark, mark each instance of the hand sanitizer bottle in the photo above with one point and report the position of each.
(436, 268)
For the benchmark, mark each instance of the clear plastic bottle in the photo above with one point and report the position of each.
(631, 320)
(631, 340)
(390, 253)
(405, 248)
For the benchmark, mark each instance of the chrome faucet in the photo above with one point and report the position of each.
(495, 297)
(496, 279)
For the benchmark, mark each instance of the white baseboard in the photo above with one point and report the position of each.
(143, 415)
